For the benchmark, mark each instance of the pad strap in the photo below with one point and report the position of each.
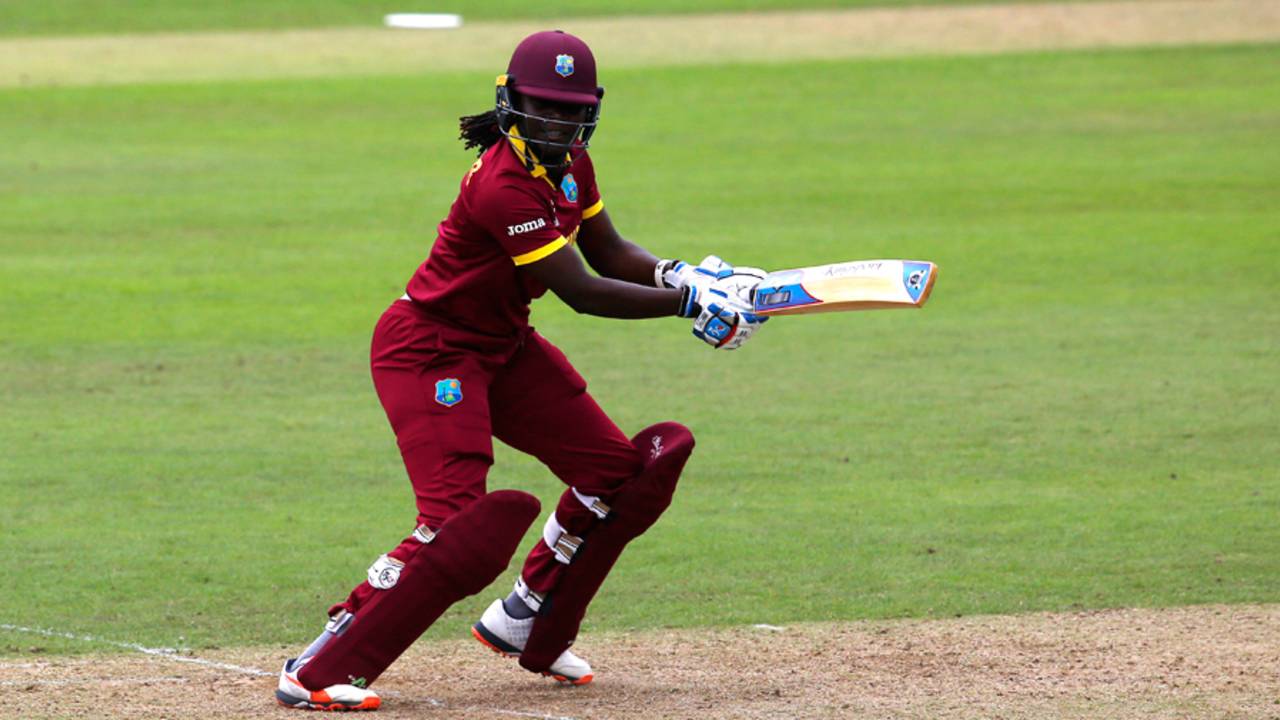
(592, 503)
(563, 544)
(533, 599)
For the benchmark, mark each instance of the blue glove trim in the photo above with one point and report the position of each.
(718, 275)
(689, 305)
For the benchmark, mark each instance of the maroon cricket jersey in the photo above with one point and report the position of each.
(506, 215)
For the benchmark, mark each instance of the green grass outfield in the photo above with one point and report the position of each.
(75, 17)
(1084, 416)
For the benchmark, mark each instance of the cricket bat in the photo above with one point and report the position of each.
(858, 285)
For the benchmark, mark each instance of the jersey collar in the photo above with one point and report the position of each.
(527, 156)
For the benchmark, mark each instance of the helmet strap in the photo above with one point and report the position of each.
(509, 126)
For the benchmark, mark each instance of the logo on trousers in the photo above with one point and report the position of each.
(449, 391)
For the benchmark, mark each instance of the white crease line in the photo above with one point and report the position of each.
(133, 682)
(397, 694)
(770, 628)
(433, 702)
(172, 654)
(540, 716)
(169, 653)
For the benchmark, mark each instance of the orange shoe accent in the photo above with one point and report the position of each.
(568, 681)
(372, 703)
(476, 634)
(321, 700)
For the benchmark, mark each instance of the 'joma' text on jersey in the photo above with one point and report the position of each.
(526, 227)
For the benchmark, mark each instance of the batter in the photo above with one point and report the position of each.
(456, 364)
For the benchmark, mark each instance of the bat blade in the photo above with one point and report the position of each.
(858, 285)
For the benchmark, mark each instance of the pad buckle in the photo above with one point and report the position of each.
(533, 599)
(339, 622)
(566, 547)
(559, 540)
(592, 503)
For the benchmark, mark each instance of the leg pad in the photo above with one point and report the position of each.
(468, 553)
(665, 448)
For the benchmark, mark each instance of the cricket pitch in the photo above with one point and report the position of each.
(1215, 661)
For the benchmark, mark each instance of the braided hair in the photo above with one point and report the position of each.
(479, 131)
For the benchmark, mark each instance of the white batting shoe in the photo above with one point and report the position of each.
(291, 693)
(507, 636)
(502, 633)
(570, 670)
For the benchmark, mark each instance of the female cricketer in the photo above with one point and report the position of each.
(456, 364)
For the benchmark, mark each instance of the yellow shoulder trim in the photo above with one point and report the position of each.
(536, 255)
(593, 210)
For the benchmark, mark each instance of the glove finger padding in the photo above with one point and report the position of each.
(715, 266)
(678, 274)
(712, 270)
(741, 284)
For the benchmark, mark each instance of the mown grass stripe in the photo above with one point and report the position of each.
(637, 41)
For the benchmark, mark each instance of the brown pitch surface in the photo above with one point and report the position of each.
(1194, 662)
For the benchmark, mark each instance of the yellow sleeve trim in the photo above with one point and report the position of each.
(593, 210)
(536, 255)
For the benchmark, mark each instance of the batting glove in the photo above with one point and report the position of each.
(741, 284)
(678, 274)
(725, 323)
(690, 301)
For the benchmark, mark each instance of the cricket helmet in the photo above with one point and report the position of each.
(555, 66)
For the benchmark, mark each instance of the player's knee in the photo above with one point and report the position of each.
(669, 443)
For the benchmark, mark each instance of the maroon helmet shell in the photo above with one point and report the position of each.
(554, 65)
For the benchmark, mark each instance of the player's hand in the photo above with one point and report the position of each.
(725, 322)
(741, 283)
(679, 274)
(714, 266)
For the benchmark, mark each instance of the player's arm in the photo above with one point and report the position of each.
(612, 255)
(563, 272)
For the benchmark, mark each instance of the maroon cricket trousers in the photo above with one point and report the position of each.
(448, 392)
